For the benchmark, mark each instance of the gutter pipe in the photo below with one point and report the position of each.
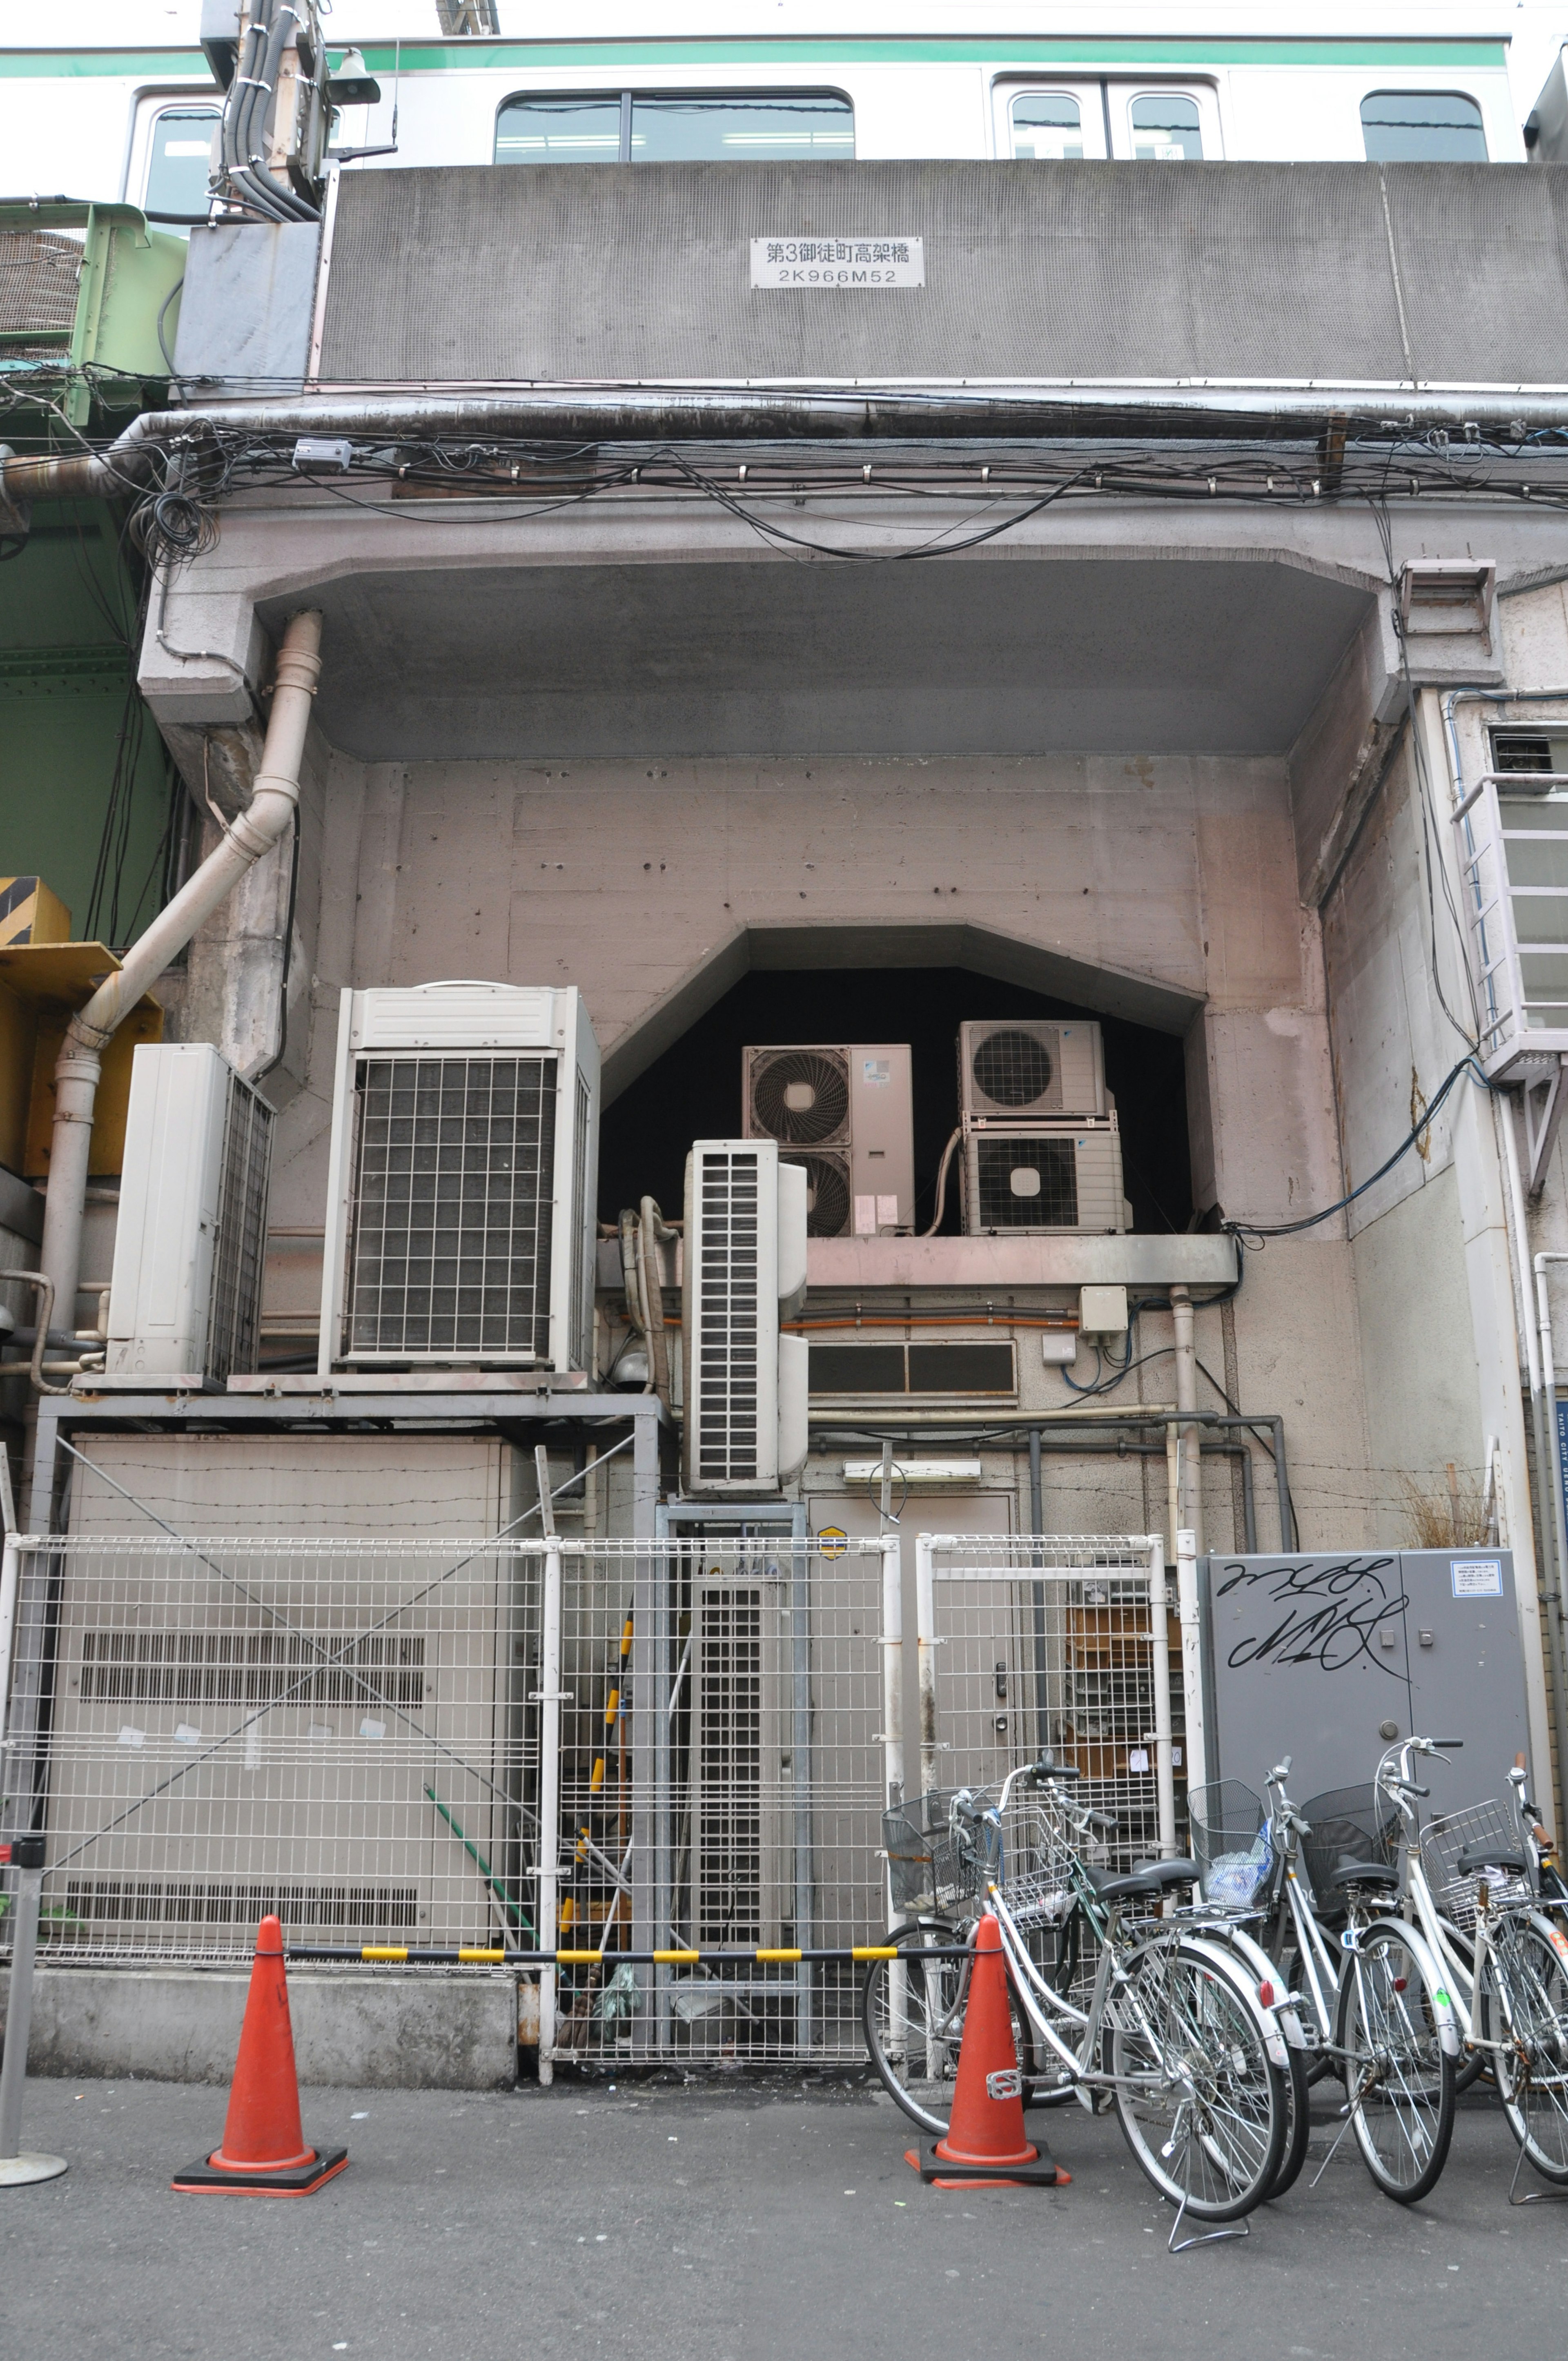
(77, 1069)
(957, 410)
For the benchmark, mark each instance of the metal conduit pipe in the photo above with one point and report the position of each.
(627, 411)
(255, 831)
(1556, 1526)
(1190, 1483)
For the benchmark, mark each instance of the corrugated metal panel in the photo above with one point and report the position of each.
(1032, 270)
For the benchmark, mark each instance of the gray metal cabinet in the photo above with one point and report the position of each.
(1330, 1658)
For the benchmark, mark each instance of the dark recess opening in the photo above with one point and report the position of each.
(692, 1091)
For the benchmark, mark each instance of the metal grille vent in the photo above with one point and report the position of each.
(830, 1203)
(730, 1886)
(799, 1096)
(41, 275)
(727, 1324)
(581, 1311)
(253, 1668)
(227, 1902)
(1027, 1184)
(452, 1207)
(238, 1250)
(1015, 1071)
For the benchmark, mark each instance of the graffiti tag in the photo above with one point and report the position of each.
(1328, 1615)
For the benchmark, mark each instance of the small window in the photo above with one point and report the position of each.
(1166, 127)
(666, 127)
(1527, 751)
(1422, 126)
(1047, 124)
(180, 159)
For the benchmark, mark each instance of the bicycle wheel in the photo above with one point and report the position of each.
(1398, 2079)
(1521, 2003)
(1299, 2125)
(912, 2015)
(1201, 2104)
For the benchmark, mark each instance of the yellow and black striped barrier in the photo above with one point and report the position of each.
(473, 1956)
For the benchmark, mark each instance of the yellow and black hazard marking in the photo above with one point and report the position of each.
(461, 1955)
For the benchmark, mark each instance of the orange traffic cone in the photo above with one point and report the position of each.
(985, 2140)
(264, 2152)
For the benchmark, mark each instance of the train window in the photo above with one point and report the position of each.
(179, 158)
(1166, 127)
(657, 127)
(559, 131)
(1046, 123)
(1422, 126)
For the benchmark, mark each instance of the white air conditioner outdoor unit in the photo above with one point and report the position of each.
(1044, 1176)
(185, 1294)
(1026, 1068)
(744, 1272)
(846, 1115)
(460, 1224)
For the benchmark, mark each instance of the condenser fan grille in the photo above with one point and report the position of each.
(1027, 1184)
(1011, 1069)
(800, 1097)
(827, 1195)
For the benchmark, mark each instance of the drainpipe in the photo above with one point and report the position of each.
(271, 808)
(1192, 1520)
(1552, 1518)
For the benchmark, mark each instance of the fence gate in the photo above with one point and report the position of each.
(1031, 1641)
(369, 1737)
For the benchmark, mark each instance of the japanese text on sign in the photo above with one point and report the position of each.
(837, 262)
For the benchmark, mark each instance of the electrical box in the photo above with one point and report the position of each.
(184, 1296)
(462, 1186)
(845, 1113)
(1331, 1657)
(1102, 1311)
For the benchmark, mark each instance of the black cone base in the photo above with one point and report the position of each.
(199, 2179)
(1041, 2174)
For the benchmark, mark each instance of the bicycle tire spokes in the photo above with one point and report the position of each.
(1401, 2080)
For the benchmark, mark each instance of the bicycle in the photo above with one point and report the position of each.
(1374, 1995)
(1172, 2035)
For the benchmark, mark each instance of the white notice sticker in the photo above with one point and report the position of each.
(837, 262)
(1137, 1758)
(1476, 1577)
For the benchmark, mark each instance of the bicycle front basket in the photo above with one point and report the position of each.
(1486, 1826)
(1230, 1843)
(1347, 1823)
(925, 1870)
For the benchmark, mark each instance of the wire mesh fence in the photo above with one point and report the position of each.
(1038, 1643)
(207, 1728)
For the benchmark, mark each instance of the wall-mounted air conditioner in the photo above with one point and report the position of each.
(184, 1297)
(1046, 1177)
(744, 1268)
(846, 1115)
(461, 1190)
(1026, 1068)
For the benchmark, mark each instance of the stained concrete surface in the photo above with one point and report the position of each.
(730, 2225)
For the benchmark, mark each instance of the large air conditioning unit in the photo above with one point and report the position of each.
(846, 1115)
(1026, 1069)
(1045, 1177)
(460, 1225)
(186, 1293)
(744, 1381)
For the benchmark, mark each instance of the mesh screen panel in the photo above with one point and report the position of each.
(242, 1233)
(453, 1181)
(39, 277)
(1003, 1163)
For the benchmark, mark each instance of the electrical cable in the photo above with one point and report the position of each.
(162, 314)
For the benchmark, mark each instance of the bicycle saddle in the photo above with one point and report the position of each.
(1364, 1872)
(1156, 1877)
(1474, 1858)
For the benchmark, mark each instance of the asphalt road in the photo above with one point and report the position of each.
(731, 2225)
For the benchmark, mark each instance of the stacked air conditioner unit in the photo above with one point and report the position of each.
(744, 1381)
(1041, 1146)
(184, 1296)
(462, 1183)
(845, 1114)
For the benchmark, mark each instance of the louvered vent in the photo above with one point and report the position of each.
(729, 1768)
(192, 1902)
(240, 1246)
(727, 1340)
(253, 1668)
(452, 1210)
(40, 277)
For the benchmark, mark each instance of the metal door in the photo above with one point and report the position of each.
(1466, 1667)
(1305, 1656)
